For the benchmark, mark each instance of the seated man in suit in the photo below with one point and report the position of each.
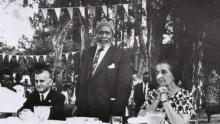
(43, 96)
(140, 91)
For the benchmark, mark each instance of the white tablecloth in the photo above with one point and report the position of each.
(73, 120)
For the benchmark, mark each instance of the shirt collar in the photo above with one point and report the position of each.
(45, 94)
(105, 46)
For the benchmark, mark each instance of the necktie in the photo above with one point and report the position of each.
(42, 98)
(95, 61)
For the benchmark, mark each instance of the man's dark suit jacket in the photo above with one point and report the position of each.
(111, 80)
(54, 99)
(139, 96)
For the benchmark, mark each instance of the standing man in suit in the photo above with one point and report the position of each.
(105, 77)
(43, 96)
(140, 91)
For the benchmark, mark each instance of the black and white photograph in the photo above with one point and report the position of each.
(110, 61)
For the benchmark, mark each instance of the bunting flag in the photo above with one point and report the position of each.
(66, 55)
(50, 1)
(9, 58)
(25, 57)
(105, 10)
(70, 10)
(31, 56)
(44, 57)
(73, 53)
(17, 57)
(144, 5)
(82, 11)
(125, 7)
(37, 58)
(92, 9)
(3, 56)
(115, 7)
(44, 12)
(57, 11)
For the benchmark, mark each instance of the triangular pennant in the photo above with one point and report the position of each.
(82, 11)
(25, 57)
(50, 1)
(70, 10)
(105, 10)
(17, 57)
(31, 56)
(92, 9)
(9, 58)
(125, 7)
(45, 57)
(3, 56)
(67, 55)
(37, 58)
(44, 12)
(57, 11)
(115, 7)
(73, 53)
(144, 5)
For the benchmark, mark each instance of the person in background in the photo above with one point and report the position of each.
(176, 102)
(140, 91)
(135, 78)
(6, 78)
(105, 77)
(69, 94)
(43, 96)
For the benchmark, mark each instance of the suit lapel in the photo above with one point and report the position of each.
(107, 59)
(37, 97)
(91, 54)
(49, 96)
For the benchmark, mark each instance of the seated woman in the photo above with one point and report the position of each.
(169, 97)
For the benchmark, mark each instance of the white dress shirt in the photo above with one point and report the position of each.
(101, 56)
(44, 94)
(146, 90)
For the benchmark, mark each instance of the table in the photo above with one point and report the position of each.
(72, 120)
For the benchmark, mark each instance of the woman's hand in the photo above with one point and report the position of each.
(163, 93)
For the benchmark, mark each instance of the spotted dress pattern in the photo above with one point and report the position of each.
(181, 102)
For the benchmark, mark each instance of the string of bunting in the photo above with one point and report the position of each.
(82, 9)
(106, 10)
(37, 57)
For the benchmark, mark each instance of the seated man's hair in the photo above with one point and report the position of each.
(39, 68)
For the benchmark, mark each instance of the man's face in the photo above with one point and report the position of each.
(146, 78)
(43, 82)
(104, 35)
(134, 76)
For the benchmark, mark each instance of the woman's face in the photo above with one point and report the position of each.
(163, 74)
